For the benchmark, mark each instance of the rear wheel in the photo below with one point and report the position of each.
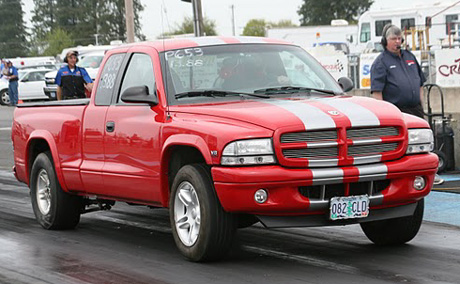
(202, 230)
(53, 208)
(395, 231)
(4, 97)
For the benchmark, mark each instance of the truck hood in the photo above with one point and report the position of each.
(304, 113)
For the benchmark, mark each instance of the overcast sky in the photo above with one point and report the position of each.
(164, 15)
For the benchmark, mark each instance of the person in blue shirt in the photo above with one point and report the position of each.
(12, 77)
(72, 80)
(396, 75)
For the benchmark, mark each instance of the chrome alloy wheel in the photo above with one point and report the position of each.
(187, 215)
(43, 192)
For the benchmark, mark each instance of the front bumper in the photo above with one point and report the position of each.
(51, 91)
(236, 186)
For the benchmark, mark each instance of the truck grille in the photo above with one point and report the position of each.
(326, 147)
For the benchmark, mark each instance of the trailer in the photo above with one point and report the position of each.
(424, 26)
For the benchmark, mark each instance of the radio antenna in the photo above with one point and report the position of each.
(163, 66)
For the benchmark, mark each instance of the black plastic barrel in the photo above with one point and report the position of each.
(445, 143)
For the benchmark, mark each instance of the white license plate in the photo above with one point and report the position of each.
(349, 207)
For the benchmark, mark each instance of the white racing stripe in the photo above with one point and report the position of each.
(358, 115)
(203, 41)
(327, 176)
(371, 172)
(312, 117)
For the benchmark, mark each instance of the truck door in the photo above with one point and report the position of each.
(132, 149)
(94, 125)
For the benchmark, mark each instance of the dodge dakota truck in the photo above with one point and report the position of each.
(225, 132)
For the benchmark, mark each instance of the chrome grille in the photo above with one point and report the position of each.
(321, 148)
(310, 136)
(366, 133)
(376, 149)
(308, 153)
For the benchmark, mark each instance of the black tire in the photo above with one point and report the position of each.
(216, 228)
(4, 97)
(442, 161)
(395, 231)
(54, 209)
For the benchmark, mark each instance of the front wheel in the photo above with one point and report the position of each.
(53, 208)
(202, 230)
(395, 231)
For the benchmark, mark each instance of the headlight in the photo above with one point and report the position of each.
(248, 152)
(420, 141)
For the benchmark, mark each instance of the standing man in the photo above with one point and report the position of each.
(12, 77)
(396, 76)
(72, 80)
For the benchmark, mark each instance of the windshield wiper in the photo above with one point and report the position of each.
(216, 93)
(292, 89)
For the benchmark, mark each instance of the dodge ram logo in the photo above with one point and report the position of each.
(333, 112)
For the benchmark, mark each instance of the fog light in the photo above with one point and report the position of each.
(419, 183)
(261, 196)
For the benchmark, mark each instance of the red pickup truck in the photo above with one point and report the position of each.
(225, 132)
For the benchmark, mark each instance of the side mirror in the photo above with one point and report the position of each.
(139, 94)
(346, 84)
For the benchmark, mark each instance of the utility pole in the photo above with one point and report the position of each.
(129, 21)
(233, 18)
(197, 17)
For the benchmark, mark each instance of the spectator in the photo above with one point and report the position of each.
(396, 76)
(12, 77)
(72, 80)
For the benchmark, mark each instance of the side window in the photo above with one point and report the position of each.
(379, 26)
(365, 35)
(406, 24)
(139, 73)
(107, 80)
(451, 24)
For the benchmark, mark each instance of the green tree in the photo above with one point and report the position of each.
(13, 33)
(255, 27)
(57, 40)
(85, 20)
(187, 27)
(282, 24)
(313, 12)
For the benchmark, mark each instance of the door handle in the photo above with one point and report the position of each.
(110, 126)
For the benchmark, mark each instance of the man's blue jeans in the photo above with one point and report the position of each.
(13, 92)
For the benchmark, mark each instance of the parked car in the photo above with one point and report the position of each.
(31, 83)
(89, 61)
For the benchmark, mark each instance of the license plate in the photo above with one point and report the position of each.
(349, 207)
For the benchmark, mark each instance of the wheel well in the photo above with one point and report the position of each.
(181, 156)
(36, 147)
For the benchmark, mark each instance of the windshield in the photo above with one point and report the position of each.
(241, 68)
(91, 61)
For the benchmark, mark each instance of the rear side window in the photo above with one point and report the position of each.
(139, 73)
(379, 26)
(365, 32)
(107, 79)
